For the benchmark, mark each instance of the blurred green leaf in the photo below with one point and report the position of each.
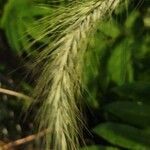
(123, 7)
(120, 67)
(131, 19)
(18, 21)
(99, 147)
(137, 91)
(124, 136)
(130, 112)
(110, 28)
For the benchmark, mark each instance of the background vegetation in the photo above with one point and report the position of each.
(116, 74)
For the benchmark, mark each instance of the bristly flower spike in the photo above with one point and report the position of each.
(60, 67)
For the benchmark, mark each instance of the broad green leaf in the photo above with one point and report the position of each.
(35, 30)
(99, 147)
(18, 19)
(130, 112)
(38, 10)
(94, 68)
(131, 19)
(137, 91)
(146, 19)
(14, 12)
(110, 28)
(133, 23)
(124, 136)
(120, 68)
(141, 50)
(122, 7)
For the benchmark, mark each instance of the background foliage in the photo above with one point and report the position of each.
(116, 74)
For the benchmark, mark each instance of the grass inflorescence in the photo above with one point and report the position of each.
(59, 64)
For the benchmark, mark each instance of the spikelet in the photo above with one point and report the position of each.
(60, 67)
